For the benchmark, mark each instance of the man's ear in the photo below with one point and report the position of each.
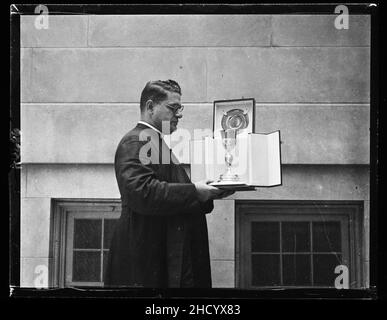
(149, 106)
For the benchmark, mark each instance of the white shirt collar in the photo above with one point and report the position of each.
(152, 127)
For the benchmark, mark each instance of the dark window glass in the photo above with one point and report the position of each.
(326, 236)
(105, 260)
(265, 270)
(296, 269)
(87, 233)
(108, 232)
(324, 269)
(265, 237)
(295, 237)
(86, 266)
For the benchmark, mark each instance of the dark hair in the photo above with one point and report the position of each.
(157, 91)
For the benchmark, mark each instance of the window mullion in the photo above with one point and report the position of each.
(311, 252)
(281, 264)
(101, 254)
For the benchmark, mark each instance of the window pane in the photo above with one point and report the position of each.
(108, 232)
(326, 236)
(324, 269)
(296, 269)
(105, 260)
(265, 270)
(265, 237)
(86, 266)
(87, 233)
(295, 237)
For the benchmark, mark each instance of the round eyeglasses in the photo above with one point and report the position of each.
(176, 108)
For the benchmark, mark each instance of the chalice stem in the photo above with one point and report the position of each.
(228, 160)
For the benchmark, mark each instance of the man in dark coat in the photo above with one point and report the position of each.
(161, 238)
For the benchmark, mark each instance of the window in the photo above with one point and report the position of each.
(81, 237)
(297, 244)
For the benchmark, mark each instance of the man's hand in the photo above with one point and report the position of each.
(226, 193)
(206, 192)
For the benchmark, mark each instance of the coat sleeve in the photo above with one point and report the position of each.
(148, 195)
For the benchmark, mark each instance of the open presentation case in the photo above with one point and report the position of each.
(256, 161)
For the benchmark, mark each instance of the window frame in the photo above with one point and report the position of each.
(295, 210)
(62, 209)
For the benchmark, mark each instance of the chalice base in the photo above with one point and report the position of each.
(228, 177)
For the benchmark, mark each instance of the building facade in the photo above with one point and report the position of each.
(81, 81)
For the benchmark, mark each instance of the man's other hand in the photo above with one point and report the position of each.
(225, 193)
(206, 192)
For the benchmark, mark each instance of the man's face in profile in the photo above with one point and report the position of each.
(164, 111)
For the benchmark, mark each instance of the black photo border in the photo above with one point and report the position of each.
(377, 270)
